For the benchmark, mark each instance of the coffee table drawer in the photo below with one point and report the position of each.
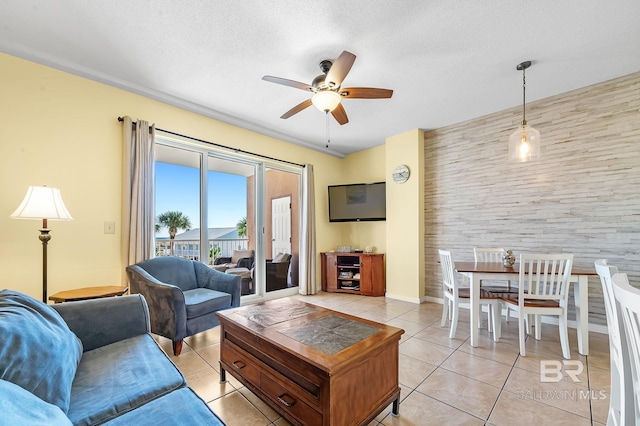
(289, 401)
(239, 363)
(303, 377)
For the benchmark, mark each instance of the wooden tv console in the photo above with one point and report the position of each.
(358, 273)
(312, 365)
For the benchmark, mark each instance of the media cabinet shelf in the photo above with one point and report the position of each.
(357, 273)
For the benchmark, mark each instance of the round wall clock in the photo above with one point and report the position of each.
(401, 174)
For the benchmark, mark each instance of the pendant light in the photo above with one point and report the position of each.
(524, 143)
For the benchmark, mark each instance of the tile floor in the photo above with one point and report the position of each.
(443, 381)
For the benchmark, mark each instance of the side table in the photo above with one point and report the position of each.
(88, 293)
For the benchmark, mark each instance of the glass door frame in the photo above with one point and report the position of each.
(260, 165)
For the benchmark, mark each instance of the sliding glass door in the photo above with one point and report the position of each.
(282, 230)
(177, 193)
(231, 212)
(237, 214)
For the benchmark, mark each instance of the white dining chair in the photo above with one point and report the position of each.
(543, 289)
(454, 295)
(494, 255)
(628, 299)
(484, 254)
(621, 397)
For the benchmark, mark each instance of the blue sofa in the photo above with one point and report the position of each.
(87, 363)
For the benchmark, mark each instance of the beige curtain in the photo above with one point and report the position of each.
(138, 215)
(308, 249)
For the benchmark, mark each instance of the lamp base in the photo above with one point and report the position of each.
(44, 237)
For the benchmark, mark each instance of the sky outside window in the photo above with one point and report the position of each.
(178, 189)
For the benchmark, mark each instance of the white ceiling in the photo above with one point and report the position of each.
(447, 61)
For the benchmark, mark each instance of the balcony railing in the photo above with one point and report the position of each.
(190, 249)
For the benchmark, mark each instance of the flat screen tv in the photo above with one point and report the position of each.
(358, 202)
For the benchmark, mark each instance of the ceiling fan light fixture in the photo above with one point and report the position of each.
(326, 100)
(524, 143)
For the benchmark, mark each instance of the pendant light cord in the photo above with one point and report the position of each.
(524, 90)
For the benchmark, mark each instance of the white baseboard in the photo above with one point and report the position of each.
(415, 300)
(432, 299)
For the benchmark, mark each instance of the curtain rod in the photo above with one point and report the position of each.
(120, 119)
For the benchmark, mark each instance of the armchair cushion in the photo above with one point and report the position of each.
(38, 352)
(281, 258)
(216, 280)
(201, 301)
(241, 254)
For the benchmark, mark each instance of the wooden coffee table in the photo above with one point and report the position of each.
(88, 293)
(313, 365)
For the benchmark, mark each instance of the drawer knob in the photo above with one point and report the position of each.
(239, 365)
(286, 400)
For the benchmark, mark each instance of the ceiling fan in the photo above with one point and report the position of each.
(327, 93)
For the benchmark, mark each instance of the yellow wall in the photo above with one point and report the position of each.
(61, 130)
(405, 218)
(363, 167)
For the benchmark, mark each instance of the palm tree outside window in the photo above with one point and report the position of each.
(241, 226)
(173, 221)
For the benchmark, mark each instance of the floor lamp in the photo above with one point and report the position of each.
(42, 202)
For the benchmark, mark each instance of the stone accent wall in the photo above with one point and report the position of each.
(582, 197)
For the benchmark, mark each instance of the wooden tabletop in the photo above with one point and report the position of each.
(497, 268)
(88, 293)
(266, 322)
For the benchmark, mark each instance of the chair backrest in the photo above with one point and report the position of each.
(240, 254)
(545, 276)
(482, 254)
(614, 323)
(629, 301)
(448, 272)
(620, 373)
(281, 258)
(172, 270)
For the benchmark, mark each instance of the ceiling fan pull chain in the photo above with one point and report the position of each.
(328, 133)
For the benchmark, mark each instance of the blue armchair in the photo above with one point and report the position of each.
(183, 295)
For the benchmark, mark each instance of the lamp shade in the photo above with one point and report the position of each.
(42, 202)
(326, 100)
(524, 144)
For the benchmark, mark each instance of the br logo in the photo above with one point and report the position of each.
(551, 371)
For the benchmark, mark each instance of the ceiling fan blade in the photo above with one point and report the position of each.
(296, 109)
(340, 69)
(365, 93)
(286, 82)
(340, 114)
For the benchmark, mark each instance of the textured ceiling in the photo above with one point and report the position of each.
(447, 61)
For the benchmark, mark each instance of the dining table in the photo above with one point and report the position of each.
(497, 271)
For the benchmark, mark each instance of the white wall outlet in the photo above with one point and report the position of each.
(109, 227)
